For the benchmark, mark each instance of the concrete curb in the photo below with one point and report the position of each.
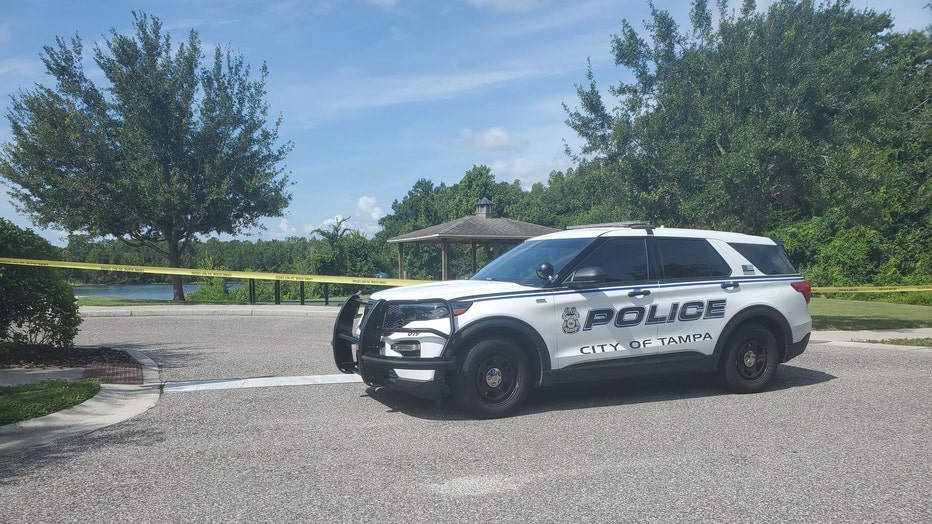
(114, 403)
(853, 344)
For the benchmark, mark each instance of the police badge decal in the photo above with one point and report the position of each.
(570, 321)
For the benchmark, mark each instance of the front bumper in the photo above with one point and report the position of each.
(369, 360)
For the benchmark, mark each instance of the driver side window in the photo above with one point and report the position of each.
(622, 259)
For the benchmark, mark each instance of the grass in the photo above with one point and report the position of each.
(923, 342)
(851, 315)
(18, 403)
(114, 301)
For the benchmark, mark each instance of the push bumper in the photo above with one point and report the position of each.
(374, 368)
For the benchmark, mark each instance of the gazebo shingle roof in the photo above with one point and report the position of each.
(474, 228)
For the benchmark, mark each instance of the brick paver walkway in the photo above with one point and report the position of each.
(112, 373)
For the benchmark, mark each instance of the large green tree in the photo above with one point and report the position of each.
(170, 149)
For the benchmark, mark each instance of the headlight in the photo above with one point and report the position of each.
(400, 315)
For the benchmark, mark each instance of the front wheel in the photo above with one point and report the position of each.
(493, 379)
(751, 359)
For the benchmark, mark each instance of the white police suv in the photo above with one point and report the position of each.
(593, 303)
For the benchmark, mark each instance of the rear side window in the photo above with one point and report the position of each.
(690, 258)
(769, 260)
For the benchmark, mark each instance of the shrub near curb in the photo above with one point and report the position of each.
(37, 306)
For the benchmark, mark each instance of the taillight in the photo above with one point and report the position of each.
(803, 287)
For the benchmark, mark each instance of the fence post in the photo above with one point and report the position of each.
(301, 291)
(326, 294)
(278, 292)
(252, 291)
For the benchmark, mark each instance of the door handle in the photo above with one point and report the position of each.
(730, 285)
(638, 293)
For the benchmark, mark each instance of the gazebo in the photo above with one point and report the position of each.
(480, 228)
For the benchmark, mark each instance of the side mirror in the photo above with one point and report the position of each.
(589, 275)
(545, 271)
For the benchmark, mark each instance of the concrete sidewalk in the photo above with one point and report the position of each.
(114, 403)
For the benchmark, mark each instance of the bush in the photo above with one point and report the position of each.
(37, 306)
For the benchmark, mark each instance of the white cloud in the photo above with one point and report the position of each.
(494, 138)
(329, 223)
(368, 214)
(285, 229)
(366, 207)
(366, 220)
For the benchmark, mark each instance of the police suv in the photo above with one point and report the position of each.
(593, 303)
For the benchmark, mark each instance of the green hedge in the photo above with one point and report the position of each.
(37, 305)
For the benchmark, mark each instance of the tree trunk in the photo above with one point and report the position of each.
(174, 260)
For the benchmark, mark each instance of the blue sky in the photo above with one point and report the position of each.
(376, 94)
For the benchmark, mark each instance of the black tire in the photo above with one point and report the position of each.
(493, 380)
(751, 359)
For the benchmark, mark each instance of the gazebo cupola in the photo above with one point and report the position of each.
(484, 208)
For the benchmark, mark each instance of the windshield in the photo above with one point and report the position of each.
(520, 264)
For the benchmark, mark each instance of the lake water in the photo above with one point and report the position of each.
(147, 291)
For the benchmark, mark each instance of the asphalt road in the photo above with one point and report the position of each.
(844, 434)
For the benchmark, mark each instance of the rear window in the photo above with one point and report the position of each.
(690, 258)
(769, 260)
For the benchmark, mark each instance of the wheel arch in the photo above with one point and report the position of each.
(520, 332)
(768, 317)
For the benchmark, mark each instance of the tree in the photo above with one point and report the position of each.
(169, 150)
(729, 127)
(806, 120)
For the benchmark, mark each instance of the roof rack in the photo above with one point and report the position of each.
(635, 224)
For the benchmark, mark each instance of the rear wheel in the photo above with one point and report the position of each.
(493, 379)
(751, 359)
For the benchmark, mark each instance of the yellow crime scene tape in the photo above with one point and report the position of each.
(870, 289)
(343, 280)
(292, 277)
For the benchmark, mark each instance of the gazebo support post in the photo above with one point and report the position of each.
(445, 259)
(401, 260)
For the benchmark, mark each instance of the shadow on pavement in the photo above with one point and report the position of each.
(166, 357)
(599, 394)
(19, 464)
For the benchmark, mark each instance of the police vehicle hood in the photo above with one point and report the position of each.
(451, 290)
